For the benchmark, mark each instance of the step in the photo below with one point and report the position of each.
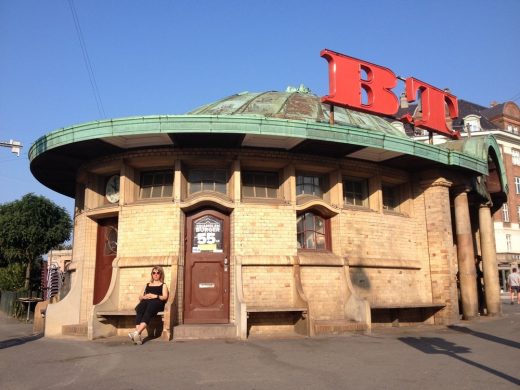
(204, 331)
(332, 327)
(74, 330)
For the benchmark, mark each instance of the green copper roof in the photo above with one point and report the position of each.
(285, 119)
(294, 105)
(484, 148)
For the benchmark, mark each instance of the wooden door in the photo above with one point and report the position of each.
(206, 278)
(106, 252)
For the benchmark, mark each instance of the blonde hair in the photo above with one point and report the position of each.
(161, 273)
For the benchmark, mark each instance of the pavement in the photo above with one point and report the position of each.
(480, 354)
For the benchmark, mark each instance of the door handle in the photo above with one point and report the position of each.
(226, 264)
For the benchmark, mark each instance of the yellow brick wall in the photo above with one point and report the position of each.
(85, 237)
(395, 242)
(267, 286)
(325, 290)
(264, 230)
(149, 230)
(419, 244)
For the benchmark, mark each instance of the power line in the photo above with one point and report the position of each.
(88, 63)
(515, 97)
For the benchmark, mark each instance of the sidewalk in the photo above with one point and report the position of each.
(15, 332)
(478, 354)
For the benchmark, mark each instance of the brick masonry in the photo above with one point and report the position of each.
(390, 257)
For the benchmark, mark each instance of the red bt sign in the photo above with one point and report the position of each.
(346, 85)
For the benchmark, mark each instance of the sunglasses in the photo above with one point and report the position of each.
(156, 273)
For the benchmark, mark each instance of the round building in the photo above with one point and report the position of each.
(271, 217)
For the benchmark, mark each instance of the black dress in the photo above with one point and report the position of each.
(148, 308)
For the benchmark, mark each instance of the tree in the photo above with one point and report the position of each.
(29, 228)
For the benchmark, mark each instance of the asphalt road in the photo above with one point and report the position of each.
(482, 354)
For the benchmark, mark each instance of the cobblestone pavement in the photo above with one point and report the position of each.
(481, 354)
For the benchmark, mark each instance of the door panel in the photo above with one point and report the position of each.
(106, 252)
(206, 281)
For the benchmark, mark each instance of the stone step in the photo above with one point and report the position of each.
(332, 327)
(74, 330)
(204, 331)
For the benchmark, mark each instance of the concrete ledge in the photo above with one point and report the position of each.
(383, 263)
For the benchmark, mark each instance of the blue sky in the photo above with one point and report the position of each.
(168, 57)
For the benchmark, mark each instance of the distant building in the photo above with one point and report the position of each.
(56, 274)
(268, 217)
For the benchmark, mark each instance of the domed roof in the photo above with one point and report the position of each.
(294, 104)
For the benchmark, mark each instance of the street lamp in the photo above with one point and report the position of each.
(14, 145)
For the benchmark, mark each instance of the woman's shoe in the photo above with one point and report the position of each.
(133, 336)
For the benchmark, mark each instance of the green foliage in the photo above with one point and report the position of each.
(29, 228)
(12, 277)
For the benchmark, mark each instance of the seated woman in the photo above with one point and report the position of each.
(152, 301)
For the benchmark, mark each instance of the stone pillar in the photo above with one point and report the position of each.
(489, 261)
(466, 257)
(439, 240)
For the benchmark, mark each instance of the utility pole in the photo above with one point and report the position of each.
(14, 145)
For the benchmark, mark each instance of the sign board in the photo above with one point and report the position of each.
(351, 79)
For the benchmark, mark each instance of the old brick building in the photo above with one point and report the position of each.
(268, 218)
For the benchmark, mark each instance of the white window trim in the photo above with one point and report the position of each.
(505, 212)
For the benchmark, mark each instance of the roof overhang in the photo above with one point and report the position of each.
(55, 157)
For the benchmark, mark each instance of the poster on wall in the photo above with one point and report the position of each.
(207, 235)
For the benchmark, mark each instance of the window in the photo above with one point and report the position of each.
(505, 212)
(515, 153)
(259, 184)
(508, 243)
(312, 232)
(207, 180)
(156, 184)
(355, 191)
(471, 123)
(517, 184)
(309, 185)
(390, 197)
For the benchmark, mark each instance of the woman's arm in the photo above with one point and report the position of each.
(164, 295)
(146, 295)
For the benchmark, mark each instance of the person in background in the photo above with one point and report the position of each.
(155, 295)
(513, 281)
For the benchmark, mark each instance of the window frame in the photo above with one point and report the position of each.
(215, 171)
(509, 246)
(517, 184)
(308, 175)
(257, 187)
(515, 156)
(301, 246)
(363, 193)
(163, 185)
(392, 192)
(505, 212)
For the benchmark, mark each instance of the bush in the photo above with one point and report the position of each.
(12, 277)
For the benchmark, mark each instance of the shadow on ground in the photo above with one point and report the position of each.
(437, 345)
(18, 341)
